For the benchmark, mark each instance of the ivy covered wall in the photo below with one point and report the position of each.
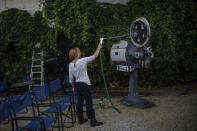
(173, 31)
(19, 31)
(173, 36)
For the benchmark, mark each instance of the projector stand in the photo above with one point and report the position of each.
(133, 99)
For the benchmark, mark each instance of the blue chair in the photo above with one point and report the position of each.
(4, 95)
(3, 86)
(56, 84)
(26, 78)
(3, 90)
(66, 78)
(69, 85)
(66, 98)
(4, 110)
(42, 94)
(5, 113)
(18, 97)
(17, 104)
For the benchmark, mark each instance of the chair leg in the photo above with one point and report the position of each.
(57, 116)
(62, 122)
(75, 113)
(71, 113)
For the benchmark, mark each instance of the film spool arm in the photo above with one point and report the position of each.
(139, 32)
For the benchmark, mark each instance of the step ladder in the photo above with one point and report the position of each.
(37, 69)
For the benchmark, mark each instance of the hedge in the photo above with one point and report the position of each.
(173, 37)
(19, 31)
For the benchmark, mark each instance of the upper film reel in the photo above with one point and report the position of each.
(140, 32)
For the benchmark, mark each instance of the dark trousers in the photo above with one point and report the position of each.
(83, 93)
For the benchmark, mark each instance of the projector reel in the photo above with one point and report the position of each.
(140, 32)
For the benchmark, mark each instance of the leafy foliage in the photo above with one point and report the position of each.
(173, 30)
(85, 22)
(173, 40)
(173, 36)
(18, 32)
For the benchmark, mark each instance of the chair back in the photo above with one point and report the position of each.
(4, 110)
(40, 92)
(3, 86)
(18, 103)
(26, 78)
(66, 78)
(55, 85)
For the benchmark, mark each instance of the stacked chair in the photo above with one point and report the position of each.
(5, 112)
(49, 107)
(65, 97)
(3, 86)
(37, 122)
(3, 89)
(42, 93)
(12, 106)
(3, 94)
(26, 78)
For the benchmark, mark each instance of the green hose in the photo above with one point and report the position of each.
(108, 96)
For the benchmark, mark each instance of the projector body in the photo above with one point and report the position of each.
(130, 57)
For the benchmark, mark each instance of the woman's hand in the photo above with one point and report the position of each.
(73, 89)
(101, 40)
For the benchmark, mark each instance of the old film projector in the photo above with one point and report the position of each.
(131, 56)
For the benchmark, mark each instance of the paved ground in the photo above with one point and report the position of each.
(173, 112)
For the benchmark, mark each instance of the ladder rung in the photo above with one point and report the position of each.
(36, 59)
(36, 78)
(36, 65)
(36, 85)
(34, 72)
(38, 53)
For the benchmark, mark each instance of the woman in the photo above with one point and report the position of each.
(78, 72)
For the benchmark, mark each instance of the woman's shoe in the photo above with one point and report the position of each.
(93, 121)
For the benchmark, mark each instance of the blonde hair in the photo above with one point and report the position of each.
(73, 53)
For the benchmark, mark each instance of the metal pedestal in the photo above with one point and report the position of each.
(133, 99)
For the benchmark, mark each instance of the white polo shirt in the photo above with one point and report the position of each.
(78, 70)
